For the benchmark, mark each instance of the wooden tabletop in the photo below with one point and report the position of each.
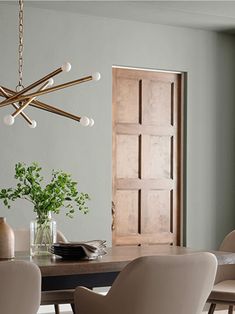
(114, 261)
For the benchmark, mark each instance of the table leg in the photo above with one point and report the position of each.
(73, 307)
(212, 308)
(57, 308)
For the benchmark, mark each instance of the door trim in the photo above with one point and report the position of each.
(182, 142)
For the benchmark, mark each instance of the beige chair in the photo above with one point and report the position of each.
(155, 285)
(20, 286)
(47, 297)
(224, 289)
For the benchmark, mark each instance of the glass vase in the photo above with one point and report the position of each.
(42, 235)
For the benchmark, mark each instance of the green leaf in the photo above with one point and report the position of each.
(61, 192)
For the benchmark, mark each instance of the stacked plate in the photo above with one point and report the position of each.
(80, 250)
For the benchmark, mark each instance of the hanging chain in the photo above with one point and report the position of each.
(21, 45)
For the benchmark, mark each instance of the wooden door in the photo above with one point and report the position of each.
(147, 158)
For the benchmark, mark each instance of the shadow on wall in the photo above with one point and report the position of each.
(225, 137)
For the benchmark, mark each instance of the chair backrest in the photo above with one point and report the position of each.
(22, 242)
(164, 285)
(60, 237)
(227, 272)
(20, 286)
(228, 244)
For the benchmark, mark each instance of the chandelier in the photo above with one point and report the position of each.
(23, 97)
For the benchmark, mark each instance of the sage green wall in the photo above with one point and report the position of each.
(95, 44)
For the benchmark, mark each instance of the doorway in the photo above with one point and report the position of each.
(147, 158)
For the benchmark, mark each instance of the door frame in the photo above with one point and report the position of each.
(182, 140)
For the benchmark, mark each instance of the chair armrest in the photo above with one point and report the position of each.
(89, 302)
(225, 272)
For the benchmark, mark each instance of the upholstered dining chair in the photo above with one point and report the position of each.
(155, 285)
(55, 297)
(22, 239)
(20, 286)
(223, 291)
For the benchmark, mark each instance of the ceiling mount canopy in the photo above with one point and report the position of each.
(24, 96)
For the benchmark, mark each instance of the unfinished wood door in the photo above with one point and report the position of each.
(147, 159)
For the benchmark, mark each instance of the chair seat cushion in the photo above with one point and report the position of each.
(57, 297)
(223, 291)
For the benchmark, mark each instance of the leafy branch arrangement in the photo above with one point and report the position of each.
(60, 192)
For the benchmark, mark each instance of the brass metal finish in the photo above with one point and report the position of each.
(26, 89)
(15, 106)
(21, 44)
(49, 108)
(40, 105)
(25, 100)
(48, 90)
(21, 108)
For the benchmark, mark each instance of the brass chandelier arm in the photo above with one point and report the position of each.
(26, 89)
(46, 91)
(26, 96)
(6, 95)
(21, 108)
(9, 91)
(40, 105)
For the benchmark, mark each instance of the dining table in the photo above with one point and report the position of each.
(58, 273)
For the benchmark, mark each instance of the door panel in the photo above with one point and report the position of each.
(127, 103)
(127, 156)
(147, 159)
(157, 102)
(127, 219)
(156, 162)
(157, 214)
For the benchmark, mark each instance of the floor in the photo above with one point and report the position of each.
(65, 309)
(48, 309)
(205, 311)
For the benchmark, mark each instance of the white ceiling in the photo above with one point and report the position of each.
(210, 15)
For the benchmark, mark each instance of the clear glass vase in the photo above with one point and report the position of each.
(42, 235)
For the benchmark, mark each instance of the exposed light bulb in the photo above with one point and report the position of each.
(92, 122)
(50, 82)
(96, 76)
(66, 67)
(84, 121)
(9, 120)
(33, 125)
